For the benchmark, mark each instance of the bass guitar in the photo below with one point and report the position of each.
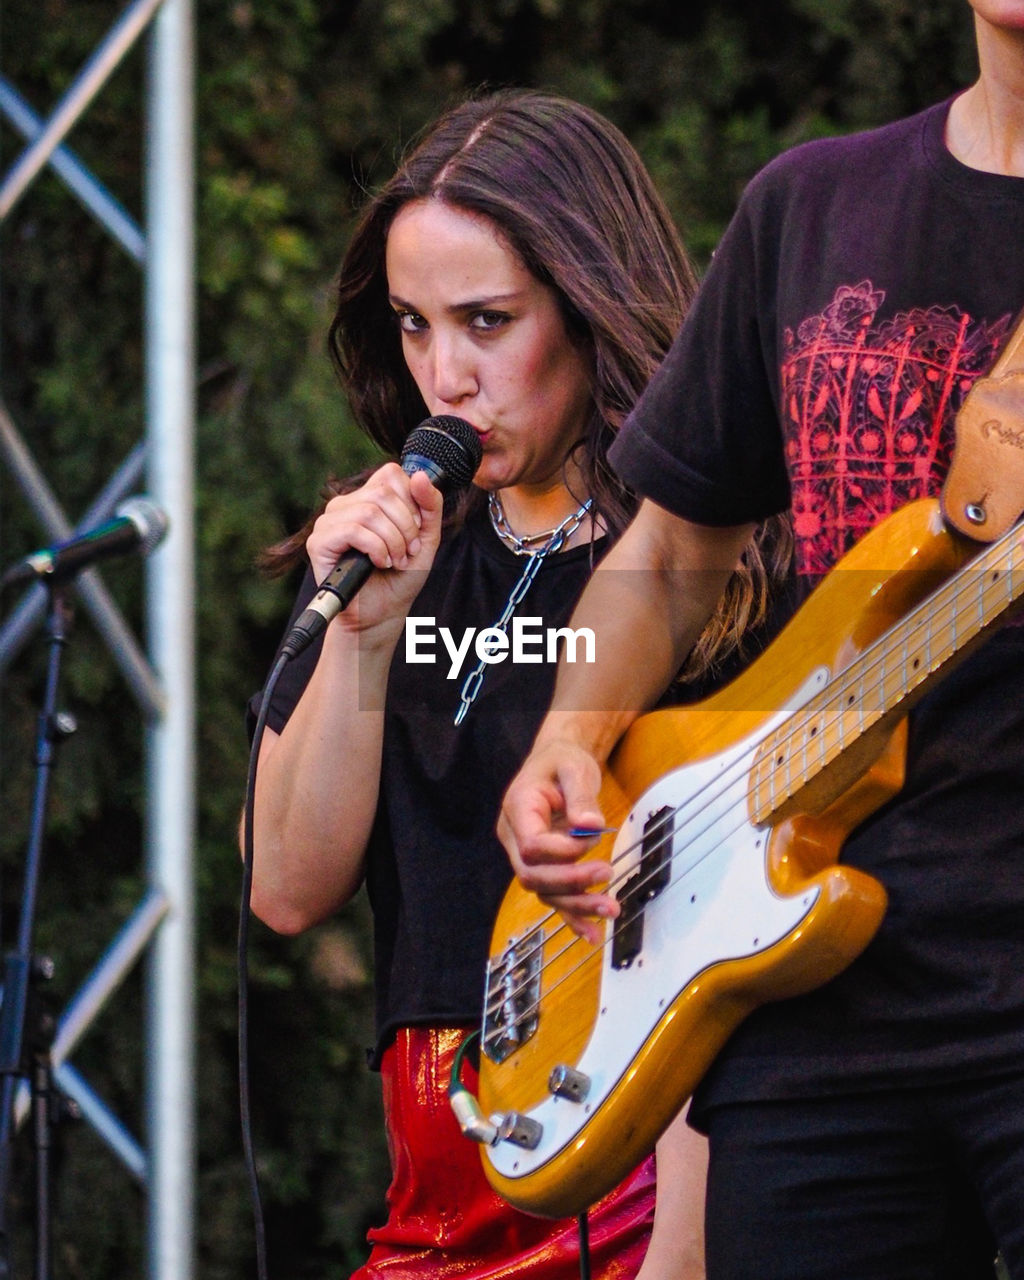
(728, 819)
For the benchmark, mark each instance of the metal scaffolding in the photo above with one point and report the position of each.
(161, 928)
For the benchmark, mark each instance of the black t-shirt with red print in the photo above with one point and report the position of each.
(863, 285)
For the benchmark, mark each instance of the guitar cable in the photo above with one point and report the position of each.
(583, 1231)
(471, 1119)
(475, 1126)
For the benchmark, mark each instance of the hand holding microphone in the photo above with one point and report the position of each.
(448, 450)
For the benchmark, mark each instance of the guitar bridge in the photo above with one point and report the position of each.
(512, 997)
(650, 878)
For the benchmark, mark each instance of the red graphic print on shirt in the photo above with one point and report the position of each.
(868, 412)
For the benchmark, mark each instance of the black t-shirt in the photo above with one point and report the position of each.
(863, 285)
(436, 872)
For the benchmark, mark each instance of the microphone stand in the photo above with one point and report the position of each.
(26, 1028)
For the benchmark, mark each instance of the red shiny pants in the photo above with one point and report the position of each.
(443, 1217)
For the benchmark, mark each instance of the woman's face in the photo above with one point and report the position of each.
(485, 340)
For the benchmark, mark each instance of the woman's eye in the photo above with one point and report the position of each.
(410, 322)
(489, 320)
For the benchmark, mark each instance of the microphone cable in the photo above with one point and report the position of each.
(449, 450)
(456, 1087)
(244, 1084)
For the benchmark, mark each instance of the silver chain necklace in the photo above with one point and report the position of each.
(550, 542)
(525, 544)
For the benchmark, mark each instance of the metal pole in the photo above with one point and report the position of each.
(170, 373)
(87, 84)
(109, 212)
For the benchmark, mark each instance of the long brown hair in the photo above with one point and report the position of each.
(571, 197)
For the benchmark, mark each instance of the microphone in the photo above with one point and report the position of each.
(139, 524)
(449, 451)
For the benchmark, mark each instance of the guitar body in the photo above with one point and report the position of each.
(747, 904)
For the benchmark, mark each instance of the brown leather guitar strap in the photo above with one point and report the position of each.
(984, 491)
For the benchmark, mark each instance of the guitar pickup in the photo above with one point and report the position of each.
(649, 879)
(512, 997)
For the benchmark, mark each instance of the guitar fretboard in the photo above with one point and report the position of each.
(884, 681)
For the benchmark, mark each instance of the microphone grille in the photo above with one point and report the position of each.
(149, 519)
(447, 444)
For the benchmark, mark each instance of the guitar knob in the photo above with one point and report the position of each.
(518, 1129)
(567, 1082)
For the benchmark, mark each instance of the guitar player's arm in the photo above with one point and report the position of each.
(646, 604)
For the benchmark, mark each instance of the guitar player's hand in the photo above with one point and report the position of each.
(555, 793)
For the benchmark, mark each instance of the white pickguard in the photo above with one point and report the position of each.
(718, 906)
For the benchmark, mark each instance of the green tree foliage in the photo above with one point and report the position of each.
(302, 108)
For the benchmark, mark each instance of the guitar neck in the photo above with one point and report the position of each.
(881, 685)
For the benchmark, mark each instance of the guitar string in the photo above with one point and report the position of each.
(930, 605)
(740, 761)
(901, 635)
